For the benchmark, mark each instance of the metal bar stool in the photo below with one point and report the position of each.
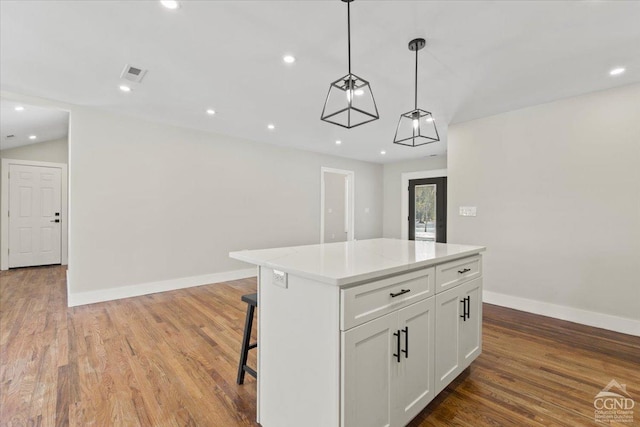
(252, 303)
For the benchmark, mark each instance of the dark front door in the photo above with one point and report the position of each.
(428, 209)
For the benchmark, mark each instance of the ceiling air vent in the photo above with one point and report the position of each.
(133, 74)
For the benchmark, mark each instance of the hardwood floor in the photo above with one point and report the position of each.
(170, 359)
(166, 359)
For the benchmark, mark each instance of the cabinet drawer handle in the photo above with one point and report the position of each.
(466, 308)
(397, 353)
(402, 292)
(406, 342)
(464, 271)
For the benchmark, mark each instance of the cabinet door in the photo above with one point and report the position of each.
(369, 372)
(471, 326)
(448, 311)
(416, 383)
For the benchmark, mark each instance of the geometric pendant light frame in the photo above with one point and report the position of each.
(350, 101)
(416, 127)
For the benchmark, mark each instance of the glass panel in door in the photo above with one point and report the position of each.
(425, 212)
(428, 209)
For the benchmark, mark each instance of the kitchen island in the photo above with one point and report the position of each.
(363, 333)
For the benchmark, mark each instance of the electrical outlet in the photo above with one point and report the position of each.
(280, 278)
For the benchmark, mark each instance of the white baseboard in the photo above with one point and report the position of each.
(90, 297)
(576, 315)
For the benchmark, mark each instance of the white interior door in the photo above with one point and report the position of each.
(337, 205)
(34, 215)
(336, 215)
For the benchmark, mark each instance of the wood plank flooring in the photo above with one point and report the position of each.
(170, 359)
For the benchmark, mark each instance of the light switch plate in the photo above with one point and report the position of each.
(468, 211)
(280, 278)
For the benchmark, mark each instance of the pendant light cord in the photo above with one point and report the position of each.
(416, 93)
(349, 33)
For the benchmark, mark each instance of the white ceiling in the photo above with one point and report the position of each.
(44, 123)
(481, 58)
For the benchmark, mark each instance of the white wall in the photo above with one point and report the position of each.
(392, 189)
(557, 187)
(151, 203)
(55, 151)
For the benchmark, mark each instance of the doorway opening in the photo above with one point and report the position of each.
(428, 209)
(33, 185)
(336, 205)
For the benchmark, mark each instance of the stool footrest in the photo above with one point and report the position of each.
(254, 345)
(250, 371)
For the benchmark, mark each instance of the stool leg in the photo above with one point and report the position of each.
(248, 325)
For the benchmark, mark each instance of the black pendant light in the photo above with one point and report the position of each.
(416, 127)
(350, 102)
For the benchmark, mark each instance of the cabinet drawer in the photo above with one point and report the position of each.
(453, 273)
(371, 300)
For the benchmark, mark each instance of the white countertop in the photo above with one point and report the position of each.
(344, 263)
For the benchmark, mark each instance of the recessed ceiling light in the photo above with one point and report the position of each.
(617, 71)
(32, 137)
(19, 108)
(338, 142)
(271, 126)
(211, 111)
(289, 59)
(358, 92)
(125, 88)
(170, 4)
(383, 152)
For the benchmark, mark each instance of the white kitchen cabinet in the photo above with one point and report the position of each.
(471, 328)
(362, 333)
(416, 375)
(369, 373)
(458, 330)
(388, 367)
(453, 273)
(377, 298)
